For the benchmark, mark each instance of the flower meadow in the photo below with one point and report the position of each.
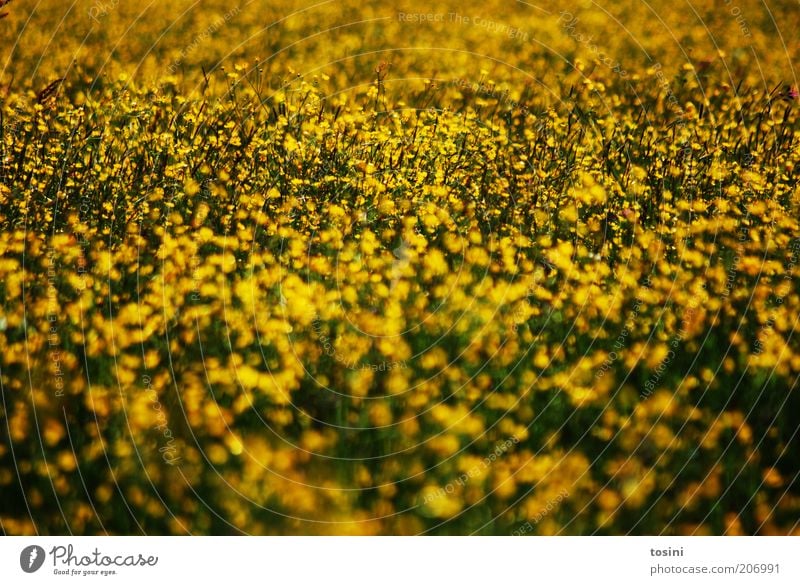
(358, 268)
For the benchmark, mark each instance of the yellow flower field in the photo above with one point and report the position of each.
(359, 268)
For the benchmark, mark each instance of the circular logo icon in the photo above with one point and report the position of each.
(31, 558)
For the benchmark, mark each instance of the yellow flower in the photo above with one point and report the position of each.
(439, 502)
